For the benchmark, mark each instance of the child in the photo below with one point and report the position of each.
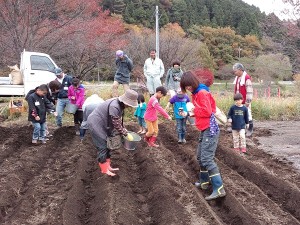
(38, 104)
(151, 115)
(238, 117)
(76, 96)
(140, 112)
(180, 111)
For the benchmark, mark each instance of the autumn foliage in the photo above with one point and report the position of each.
(76, 32)
(204, 75)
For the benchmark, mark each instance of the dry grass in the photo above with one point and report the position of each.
(273, 108)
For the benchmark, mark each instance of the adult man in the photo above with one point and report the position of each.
(106, 119)
(62, 95)
(243, 85)
(153, 70)
(124, 67)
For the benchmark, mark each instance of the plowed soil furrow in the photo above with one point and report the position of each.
(286, 195)
(270, 163)
(77, 207)
(168, 185)
(254, 200)
(60, 182)
(240, 191)
(12, 142)
(228, 209)
(43, 173)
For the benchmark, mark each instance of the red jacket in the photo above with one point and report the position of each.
(205, 105)
(242, 87)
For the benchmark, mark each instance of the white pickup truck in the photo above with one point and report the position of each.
(36, 69)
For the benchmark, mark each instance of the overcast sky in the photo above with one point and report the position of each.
(269, 6)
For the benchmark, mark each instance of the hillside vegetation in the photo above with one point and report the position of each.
(83, 36)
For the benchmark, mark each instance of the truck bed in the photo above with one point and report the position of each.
(11, 90)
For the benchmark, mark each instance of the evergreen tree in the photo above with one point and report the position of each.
(204, 17)
(119, 6)
(129, 11)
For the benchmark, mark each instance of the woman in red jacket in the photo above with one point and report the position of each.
(205, 107)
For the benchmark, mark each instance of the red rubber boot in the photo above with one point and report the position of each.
(148, 140)
(109, 167)
(152, 142)
(104, 169)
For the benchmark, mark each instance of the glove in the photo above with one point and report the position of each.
(129, 137)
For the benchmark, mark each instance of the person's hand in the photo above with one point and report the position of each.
(247, 126)
(73, 97)
(169, 118)
(37, 118)
(184, 114)
(55, 113)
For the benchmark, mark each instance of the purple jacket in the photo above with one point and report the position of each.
(79, 95)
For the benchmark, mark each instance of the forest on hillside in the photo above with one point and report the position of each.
(214, 13)
(82, 36)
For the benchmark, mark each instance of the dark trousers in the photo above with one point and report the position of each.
(207, 149)
(102, 151)
(78, 117)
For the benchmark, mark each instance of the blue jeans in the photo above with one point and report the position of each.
(102, 151)
(60, 107)
(181, 128)
(142, 122)
(207, 149)
(39, 131)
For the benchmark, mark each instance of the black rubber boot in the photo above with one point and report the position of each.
(217, 183)
(250, 129)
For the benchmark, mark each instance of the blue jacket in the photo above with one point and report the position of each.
(179, 101)
(140, 110)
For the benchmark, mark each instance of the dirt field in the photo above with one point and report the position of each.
(60, 182)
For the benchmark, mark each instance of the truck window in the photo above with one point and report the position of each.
(41, 63)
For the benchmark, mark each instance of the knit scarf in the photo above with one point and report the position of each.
(176, 70)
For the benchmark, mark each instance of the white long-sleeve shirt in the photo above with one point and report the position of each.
(153, 68)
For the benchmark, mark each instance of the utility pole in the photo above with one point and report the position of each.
(239, 52)
(156, 32)
(98, 74)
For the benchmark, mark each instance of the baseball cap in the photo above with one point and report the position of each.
(57, 71)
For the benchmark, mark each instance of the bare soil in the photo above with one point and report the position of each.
(60, 182)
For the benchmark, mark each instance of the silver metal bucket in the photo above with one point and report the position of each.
(131, 145)
(71, 108)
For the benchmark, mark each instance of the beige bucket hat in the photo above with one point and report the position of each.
(129, 98)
